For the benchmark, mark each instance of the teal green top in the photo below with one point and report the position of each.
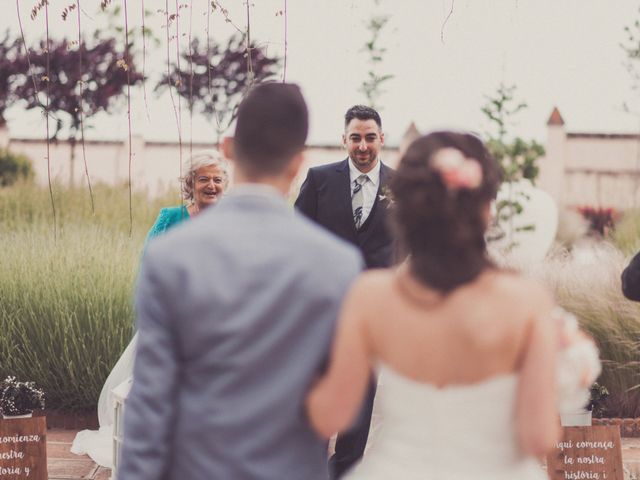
(168, 218)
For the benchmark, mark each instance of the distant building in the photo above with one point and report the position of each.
(584, 169)
(155, 165)
(579, 169)
(590, 169)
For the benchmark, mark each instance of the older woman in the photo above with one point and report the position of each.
(203, 185)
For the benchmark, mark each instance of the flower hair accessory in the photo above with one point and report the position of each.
(456, 170)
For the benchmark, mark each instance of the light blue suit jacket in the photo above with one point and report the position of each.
(236, 311)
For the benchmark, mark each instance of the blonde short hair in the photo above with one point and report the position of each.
(197, 161)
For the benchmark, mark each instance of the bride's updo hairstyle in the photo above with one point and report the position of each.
(441, 190)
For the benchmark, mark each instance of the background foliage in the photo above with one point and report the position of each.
(13, 167)
(66, 311)
(589, 287)
(626, 234)
(214, 78)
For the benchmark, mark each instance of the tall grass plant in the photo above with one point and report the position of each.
(626, 235)
(586, 282)
(66, 302)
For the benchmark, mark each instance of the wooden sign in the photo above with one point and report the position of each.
(587, 453)
(23, 448)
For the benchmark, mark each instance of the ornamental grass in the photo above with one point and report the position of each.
(66, 309)
(626, 235)
(586, 282)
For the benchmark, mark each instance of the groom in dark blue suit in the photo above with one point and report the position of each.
(350, 199)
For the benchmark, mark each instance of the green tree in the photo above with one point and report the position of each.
(632, 65)
(14, 166)
(517, 159)
(371, 86)
(632, 50)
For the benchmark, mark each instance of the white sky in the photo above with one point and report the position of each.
(558, 52)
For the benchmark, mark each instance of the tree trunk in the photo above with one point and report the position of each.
(4, 134)
(72, 162)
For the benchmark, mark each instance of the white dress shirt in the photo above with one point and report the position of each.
(369, 189)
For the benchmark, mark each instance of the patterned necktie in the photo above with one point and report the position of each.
(357, 199)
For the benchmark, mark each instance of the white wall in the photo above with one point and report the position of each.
(154, 165)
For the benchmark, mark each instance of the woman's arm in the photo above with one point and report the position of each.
(538, 426)
(335, 399)
(160, 225)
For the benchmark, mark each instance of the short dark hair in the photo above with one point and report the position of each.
(443, 231)
(362, 112)
(271, 127)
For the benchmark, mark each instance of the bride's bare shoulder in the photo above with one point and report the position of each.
(374, 280)
(522, 289)
(376, 276)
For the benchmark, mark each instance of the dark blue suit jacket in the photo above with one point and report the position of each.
(325, 197)
(631, 279)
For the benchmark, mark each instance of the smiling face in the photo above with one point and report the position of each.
(363, 140)
(208, 185)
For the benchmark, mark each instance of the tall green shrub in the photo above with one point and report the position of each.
(14, 167)
(517, 159)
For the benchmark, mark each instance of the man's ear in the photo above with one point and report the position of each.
(344, 140)
(381, 138)
(228, 149)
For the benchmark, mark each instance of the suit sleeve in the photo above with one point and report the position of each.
(150, 406)
(631, 279)
(307, 201)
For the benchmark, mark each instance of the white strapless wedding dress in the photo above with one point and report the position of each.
(464, 432)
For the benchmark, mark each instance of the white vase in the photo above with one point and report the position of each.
(9, 417)
(581, 418)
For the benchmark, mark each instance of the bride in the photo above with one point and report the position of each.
(204, 184)
(466, 351)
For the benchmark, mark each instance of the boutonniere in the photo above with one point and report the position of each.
(385, 195)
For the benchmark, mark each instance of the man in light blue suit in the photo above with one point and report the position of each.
(236, 310)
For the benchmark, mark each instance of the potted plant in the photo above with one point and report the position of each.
(19, 399)
(594, 408)
(597, 397)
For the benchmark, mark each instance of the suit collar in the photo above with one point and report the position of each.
(255, 196)
(259, 189)
(385, 174)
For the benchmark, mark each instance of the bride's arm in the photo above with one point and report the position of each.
(333, 402)
(536, 415)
